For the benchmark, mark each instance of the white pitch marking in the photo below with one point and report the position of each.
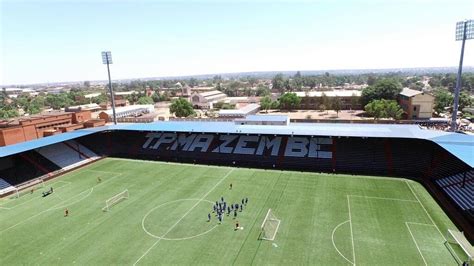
(177, 222)
(414, 240)
(167, 203)
(429, 216)
(382, 198)
(54, 207)
(334, 244)
(352, 234)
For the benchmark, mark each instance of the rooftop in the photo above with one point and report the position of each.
(241, 111)
(409, 92)
(460, 145)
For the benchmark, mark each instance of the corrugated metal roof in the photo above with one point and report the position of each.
(460, 145)
(409, 92)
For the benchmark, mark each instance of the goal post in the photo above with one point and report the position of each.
(115, 199)
(269, 226)
(27, 187)
(460, 247)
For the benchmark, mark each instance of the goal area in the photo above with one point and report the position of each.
(28, 187)
(115, 199)
(460, 247)
(269, 226)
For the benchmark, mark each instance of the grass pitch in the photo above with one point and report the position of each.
(325, 219)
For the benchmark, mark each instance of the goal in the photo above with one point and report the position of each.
(27, 187)
(269, 226)
(115, 199)
(460, 247)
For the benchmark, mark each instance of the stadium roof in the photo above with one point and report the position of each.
(37, 143)
(460, 145)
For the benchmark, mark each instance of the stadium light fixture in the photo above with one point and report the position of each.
(464, 31)
(107, 60)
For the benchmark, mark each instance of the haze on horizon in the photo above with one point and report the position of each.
(51, 41)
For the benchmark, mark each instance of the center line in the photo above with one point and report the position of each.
(177, 222)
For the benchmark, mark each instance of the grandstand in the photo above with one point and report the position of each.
(442, 162)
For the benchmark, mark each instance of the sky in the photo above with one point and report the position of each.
(53, 41)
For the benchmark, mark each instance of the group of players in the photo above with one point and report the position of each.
(220, 208)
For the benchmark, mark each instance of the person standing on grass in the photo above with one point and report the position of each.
(235, 213)
(208, 217)
(246, 200)
(236, 225)
(230, 187)
(66, 212)
(99, 179)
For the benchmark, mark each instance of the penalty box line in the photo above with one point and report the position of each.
(13, 207)
(182, 217)
(59, 206)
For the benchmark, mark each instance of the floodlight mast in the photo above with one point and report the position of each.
(464, 31)
(107, 59)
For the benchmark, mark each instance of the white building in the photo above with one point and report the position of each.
(205, 100)
(249, 109)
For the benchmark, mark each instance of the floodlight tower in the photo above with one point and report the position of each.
(107, 59)
(464, 31)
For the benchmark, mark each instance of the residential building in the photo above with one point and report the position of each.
(416, 104)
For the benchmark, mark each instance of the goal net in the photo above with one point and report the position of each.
(460, 247)
(115, 199)
(28, 187)
(269, 226)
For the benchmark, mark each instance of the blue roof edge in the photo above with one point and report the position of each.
(460, 145)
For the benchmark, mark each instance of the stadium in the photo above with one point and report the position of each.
(340, 194)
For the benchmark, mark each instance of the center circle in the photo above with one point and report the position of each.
(167, 206)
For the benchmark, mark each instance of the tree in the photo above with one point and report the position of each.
(464, 100)
(442, 100)
(371, 80)
(263, 90)
(266, 103)
(382, 89)
(384, 109)
(392, 109)
(133, 98)
(181, 108)
(278, 82)
(8, 111)
(87, 84)
(102, 98)
(354, 101)
(155, 97)
(322, 107)
(325, 102)
(145, 100)
(374, 109)
(58, 101)
(336, 105)
(289, 101)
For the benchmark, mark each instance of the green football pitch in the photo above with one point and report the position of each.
(325, 219)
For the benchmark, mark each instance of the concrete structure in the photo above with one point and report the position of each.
(271, 120)
(313, 99)
(131, 111)
(93, 107)
(241, 112)
(15, 92)
(416, 104)
(205, 100)
(38, 126)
